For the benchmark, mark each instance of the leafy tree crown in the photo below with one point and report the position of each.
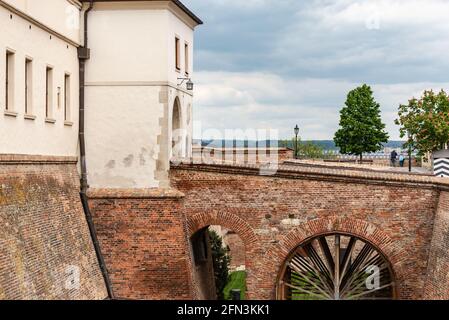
(361, 127)
(425, 122)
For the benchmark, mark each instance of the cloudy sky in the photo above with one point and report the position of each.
(275, 63)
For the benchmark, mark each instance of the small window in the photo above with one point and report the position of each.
(186, 57)
(28, 86)
(177, 54)
(67, 97)
(49, 93)
(9, 81)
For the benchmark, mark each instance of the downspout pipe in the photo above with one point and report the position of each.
(83, 56)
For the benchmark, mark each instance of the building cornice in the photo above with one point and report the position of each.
(137, 84)
(15, 159)
(39, 24)
(76, 3)
(174, 6)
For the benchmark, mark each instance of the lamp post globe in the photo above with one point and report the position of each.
(296, 130)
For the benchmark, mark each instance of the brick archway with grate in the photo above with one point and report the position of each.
(278, 253)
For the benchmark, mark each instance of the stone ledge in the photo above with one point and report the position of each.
(36, 159)
(316, 173)
(150, 193)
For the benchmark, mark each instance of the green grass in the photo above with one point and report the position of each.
(237, 280)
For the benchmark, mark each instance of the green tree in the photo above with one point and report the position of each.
(310, 150)
(306, 149)
(221, 261)
(425, 122)
(361, 127)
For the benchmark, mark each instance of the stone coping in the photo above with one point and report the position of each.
(136, 193)
(260, 149)
(36, 159)
(315, 172)
(348, 166)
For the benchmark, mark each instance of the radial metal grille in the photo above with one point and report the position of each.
(336, 267)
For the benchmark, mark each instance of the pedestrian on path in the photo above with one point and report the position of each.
(401, 160)
(393, 157)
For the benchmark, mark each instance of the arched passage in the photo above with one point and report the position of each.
(278, 255)
(177, 134)
(197, 227)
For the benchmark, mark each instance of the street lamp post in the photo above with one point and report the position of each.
(296, 141)
(409, 154)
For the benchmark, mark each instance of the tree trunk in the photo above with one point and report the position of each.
(361, 158)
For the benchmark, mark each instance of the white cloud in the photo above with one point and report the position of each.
(226, 100)
(275, 63)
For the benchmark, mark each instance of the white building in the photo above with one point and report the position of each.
(134, 99)
(38, 44)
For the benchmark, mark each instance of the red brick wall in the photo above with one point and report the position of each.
(44, 231)
(145, 233)
(142, 236)
(274, 214)
(243, 155)
(237, 249)
(437, 284)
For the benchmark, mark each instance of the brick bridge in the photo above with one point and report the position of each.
(147, 235)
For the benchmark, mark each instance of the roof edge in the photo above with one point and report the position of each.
(178, 3)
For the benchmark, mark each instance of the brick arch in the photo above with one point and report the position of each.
(228, 220)
(278, 253)
(253, 250)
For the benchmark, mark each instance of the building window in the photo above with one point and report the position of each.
(177, 54)
(67, 97)
(49, 93)
(28, 86)
(186, 57)
(9, 81)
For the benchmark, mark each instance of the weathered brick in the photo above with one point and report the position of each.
(44, 231)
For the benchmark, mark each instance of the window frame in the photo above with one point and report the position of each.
(9, 80)
(28, 85)
(67, 97)
(187, 58)
(49, 71)
(177, 53)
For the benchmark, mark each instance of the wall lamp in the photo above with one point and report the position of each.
(189, 84)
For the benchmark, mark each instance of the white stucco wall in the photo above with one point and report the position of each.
(27, 136)
(61, 16)
(131, 88)
(185, 34)
(121, 134)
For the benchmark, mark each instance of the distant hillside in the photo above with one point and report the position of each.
(325, 144)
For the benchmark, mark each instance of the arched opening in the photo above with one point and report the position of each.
(336, 266)
(177, 131)
(219, 263)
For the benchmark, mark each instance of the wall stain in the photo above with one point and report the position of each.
(128, 161)
(110, 164)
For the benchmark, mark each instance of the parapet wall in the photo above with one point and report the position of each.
(437, 284)
(46, 250)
